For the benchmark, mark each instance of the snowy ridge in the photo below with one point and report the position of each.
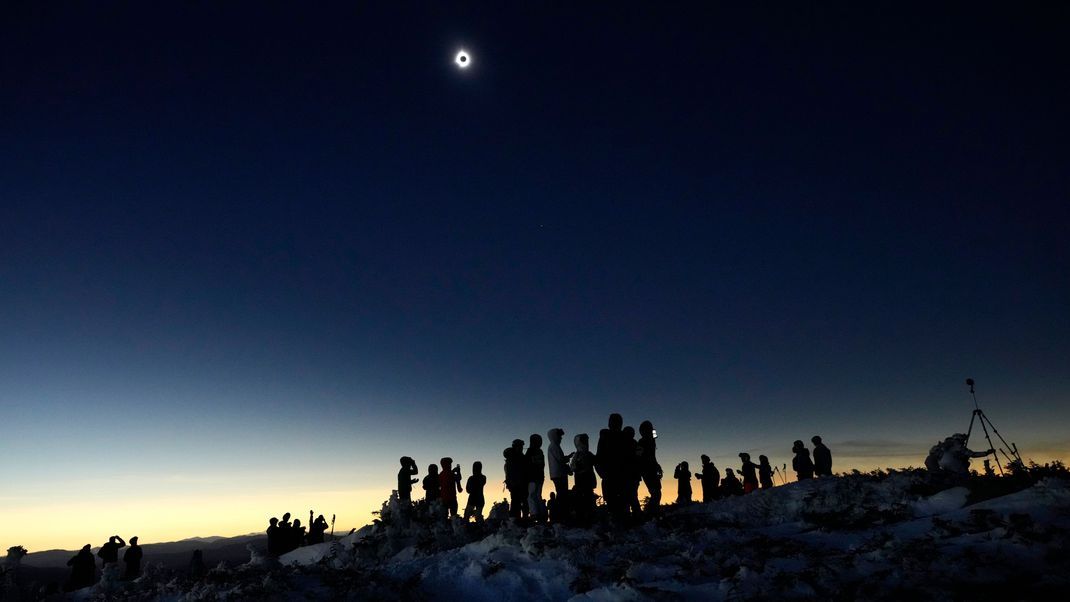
(855, 537)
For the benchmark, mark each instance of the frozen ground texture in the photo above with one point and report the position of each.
(894, 536)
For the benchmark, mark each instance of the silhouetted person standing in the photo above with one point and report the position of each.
(197, 570)
(474, 487)
(709, 478)
(801, 464)
(132, 558)
(609, 464)
(536, 468)
(730, 485)
(405, 480)
(749, 470)
(273, 537)
(822, 458)
(316, 528)
(559, 470)
(765, 472)
(583, 490)
(646, 450)
(109, 552)
(83, 569)
(449, 482)
(432, 489)
(630, 471)
(516, 478)
(297, 536)
(683, 487)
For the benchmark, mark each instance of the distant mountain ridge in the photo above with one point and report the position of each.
(172, 554)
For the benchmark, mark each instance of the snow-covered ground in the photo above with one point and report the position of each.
(897, 536)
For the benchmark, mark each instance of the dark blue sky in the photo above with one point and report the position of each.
(245, 223)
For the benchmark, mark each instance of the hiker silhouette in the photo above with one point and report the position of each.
(730, 485)
(582, 465)
(710, 479)
(297, 536)
(516, 478)
(749, 470)
(316, 528)
(765, 472)
(197, 569)
(132, 558)
(801, 464)
(109, 552)
(83, 569)
(609, 464)
(683, 488)
(474, 487)
(536, 469)
(631, 471)
(559, 469)
(273, 537)
(432, 489)
(822, 458)
(646, 450)
(449, 482)
(405, 480)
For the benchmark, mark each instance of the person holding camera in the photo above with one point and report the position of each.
(449, 486)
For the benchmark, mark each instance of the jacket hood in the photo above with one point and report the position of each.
(581, 442)
(555, 435)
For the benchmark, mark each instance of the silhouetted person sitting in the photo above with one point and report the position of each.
(197, 570)
(474, 487)
(765, 472)
(405, 480)
(516, 478)
(630, 472)
(273, 537)
(536, 469)
(432, 490)
(683, 488)
(709, 478)
(449, 482)
(749, 470)
(610, 465)
(109, 552)
(822, 458)
(730, 485)
(801, 464)
(559, 470)
(132, 558)
(316, 528)
(83, 569)
(582, 465)
(646, 451)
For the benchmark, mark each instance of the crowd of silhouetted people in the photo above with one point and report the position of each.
(620, 462)
(84, 568)
(284, 536)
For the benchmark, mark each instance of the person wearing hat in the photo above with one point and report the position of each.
(822, 458)
(801, 463)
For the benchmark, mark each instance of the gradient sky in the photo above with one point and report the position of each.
(250, 255)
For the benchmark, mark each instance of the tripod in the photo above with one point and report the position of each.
(981, 418)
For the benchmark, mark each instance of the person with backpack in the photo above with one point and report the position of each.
(646, 450)
(536, 469)
(822, 458)
(683, 487)
(731, 485)
(516, 479)
(749, 470)
(83, 570)
(801, 464)
(132, 559)
(586, 481)
(449, 481)
(710, 479)
(765, 472)
(474, 507)
(559, 470)
(405, 480)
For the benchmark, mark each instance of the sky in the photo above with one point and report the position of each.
(251, 253)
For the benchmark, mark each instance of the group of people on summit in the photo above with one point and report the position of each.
(84, 566)
(284, 536)
(621, 461)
